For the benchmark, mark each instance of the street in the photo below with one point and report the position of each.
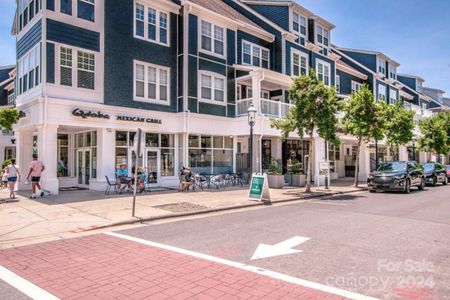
(383, 245)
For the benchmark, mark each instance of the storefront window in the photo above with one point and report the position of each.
(211, 154)
(63, 155)
(167, 140)
(121, 156)
(85, 154)
(152, 140)
(223, 161)
(121, 138)
(193, 141)
(167, 162)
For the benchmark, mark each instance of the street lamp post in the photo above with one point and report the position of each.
(251, 122)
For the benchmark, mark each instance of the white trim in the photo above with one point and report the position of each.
(381, 63)
(328, 36)
(324, 63)
(146, 82)
(356, 86)
(301, 15)
(213, 77)
(157, 25)
(393, 100)
(338, 86)
(213, 38)
(383, 87)
(24, 286)
(301, 54)
(252, 46)
(246, 267)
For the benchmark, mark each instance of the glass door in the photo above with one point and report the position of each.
(153, 167)
(84, 169)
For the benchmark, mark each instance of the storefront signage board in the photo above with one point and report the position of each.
(78, 112)
(259, 188)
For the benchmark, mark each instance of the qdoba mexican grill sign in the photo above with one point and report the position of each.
(77, 112)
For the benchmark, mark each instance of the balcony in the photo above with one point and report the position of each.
(268, 107)
(420, 112)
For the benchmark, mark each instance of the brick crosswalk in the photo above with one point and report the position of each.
(106, 267)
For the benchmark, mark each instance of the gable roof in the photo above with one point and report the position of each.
(371, 52)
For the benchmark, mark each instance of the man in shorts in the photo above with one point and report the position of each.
(36, 169)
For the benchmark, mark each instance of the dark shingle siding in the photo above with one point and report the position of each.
(30, 39)
(72, 35)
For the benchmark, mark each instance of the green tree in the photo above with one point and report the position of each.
(315, 109)
(435, 134)
(364, 119)
(399, 124)
(8, 117)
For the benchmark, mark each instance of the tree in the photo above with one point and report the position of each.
(435, 134)
(364, 119)
(315, 109)
(8, 117)
(399, 124)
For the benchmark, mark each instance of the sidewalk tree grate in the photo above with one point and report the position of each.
(181, 207)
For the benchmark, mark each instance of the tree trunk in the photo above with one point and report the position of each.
(357, 163)
(308, 172)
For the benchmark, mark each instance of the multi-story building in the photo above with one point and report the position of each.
(7, 99)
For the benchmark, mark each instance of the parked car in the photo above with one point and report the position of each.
(435, 173)
(396, 176)
(448, 172)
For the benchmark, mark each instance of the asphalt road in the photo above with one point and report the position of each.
(386, 245)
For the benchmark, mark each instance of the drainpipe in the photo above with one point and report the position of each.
(187, 8)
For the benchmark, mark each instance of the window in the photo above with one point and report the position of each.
(381, 66)
(356, 86)
(299, 63)
(26, 11)
(28, 67)
(338, 84)
(151, 24)
(86, 70)
(212, 88)
(392, 96)
(392, 72)
(63, 155)
(255, 55)
(66, 7)
(66, 66)
(151, 83)
(323, 36)
(212, 38)
(211, 154)
(86, 10)
(323, 72)
(381, 92)
(419, 86)
(300, 26)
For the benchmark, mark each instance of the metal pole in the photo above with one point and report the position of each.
(251, 151)
(376, 154)
(138, 154)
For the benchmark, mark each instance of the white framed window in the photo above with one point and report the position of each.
(86, 10)
(299, 24)
(299, 63)
(392, 72)
(381, 66)
(323, 70)
(151, 24)
(392, 96)
(212, 88)
(65, 63)
(255, 55)
(29, 71)
(338, 84)
(86, 70)
(265, 94)
(322, 36)
(381, 92)
(356, 86)
(151, 83)
(419, 86)
(212, 38)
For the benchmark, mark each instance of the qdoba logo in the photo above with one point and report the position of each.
(89, 114)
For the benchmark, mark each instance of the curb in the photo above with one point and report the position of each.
(219, 209)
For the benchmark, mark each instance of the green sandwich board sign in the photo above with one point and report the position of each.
(259, 188)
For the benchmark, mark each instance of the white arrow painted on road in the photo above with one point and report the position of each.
(283, 248)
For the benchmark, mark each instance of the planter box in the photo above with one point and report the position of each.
(276, 181)
(298, 180)
(334, 176)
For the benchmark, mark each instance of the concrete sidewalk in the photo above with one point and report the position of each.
(75, 213)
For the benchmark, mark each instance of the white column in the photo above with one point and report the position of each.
(403, 153)
(106, 153)
(318, 156)
(364, 163)
(256, 89)
(277, 148)
(24, 149)
(235, 141)
(47, 151)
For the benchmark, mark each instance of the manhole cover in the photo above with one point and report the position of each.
(181, 207)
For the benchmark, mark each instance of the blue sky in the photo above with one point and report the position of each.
(415, 33)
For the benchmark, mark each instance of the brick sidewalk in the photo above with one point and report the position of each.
(106, 267)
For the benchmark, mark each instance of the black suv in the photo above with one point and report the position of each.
(396, 176)
(435, 173)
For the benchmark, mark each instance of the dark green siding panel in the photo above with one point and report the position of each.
(211, 109)
(30, 39)
(231, 86)
(180, 76)
(368, 60)
(192, 103)
(346, 81)
(50, 63)
(193, 34)
(122, 48)
(207, 65)
(231, 51)
(72, 35)
(244, 36)
(192, 79)
(277, 14)
(212, 57)
(231, 111)
(408, 81)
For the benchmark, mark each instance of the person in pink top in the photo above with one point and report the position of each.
(36, 169)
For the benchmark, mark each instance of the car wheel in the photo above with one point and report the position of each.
(445, 181)
(422, 184)
(407, 186)
(434, 181)
(372, 191)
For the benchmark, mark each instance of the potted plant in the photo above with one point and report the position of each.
(274, 175)
(297, 176)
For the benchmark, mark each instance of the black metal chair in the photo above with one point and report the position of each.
(110, 185)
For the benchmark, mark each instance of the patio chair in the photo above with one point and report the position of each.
(110, 185)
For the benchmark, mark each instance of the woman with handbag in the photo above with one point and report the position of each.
(13, 176)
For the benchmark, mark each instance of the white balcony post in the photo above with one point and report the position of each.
(256, 89)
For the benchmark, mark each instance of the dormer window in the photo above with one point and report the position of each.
(381, 66)
(392, 72)
(299, 26)
(419, 86)
(322, 36)
(255, 55)
(151, 24)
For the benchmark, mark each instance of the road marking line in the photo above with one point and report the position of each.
(268, 273)
(25, 286)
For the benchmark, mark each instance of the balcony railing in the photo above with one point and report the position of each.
(268, 107)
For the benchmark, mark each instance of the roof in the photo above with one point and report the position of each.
(348, 69)
(433, 89)
(411, 76)
(369, 52)
(4, 72)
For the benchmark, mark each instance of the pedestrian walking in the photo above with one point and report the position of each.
(4, 179)
(13, 175)
(36, 169)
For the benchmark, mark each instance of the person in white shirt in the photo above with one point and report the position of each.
(13, 176)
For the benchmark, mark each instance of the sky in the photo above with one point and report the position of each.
(415, 33)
